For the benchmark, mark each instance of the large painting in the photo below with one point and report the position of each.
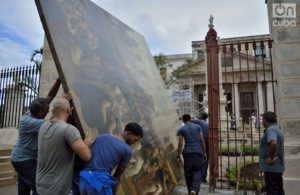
(111, 73)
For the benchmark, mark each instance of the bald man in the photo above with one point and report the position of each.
(57, 142)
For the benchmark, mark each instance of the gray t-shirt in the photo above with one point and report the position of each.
(55, 158)
(272, 133)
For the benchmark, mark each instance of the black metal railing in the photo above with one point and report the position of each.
(18, 87)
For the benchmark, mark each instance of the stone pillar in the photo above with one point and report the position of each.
(48, 72)
(260, 98)
(269, 94)
(286, 60)
(236, 103)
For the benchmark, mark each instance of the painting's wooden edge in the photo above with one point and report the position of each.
(57, 63)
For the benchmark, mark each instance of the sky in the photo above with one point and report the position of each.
(169, 26)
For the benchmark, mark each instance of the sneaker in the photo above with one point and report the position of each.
(193, 193)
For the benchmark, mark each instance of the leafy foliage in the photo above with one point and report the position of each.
(36, 57)
(160, 60)
(232, 151)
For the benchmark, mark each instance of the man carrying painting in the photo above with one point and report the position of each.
(57, 142)
(109, 152)
(24, 154)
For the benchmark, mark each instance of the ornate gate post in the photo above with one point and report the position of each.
(212, 51)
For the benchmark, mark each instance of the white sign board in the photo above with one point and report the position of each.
(184, 95)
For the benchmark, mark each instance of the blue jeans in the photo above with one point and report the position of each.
(205, 166)
(274, 183)
(26, 176)
(193, 167)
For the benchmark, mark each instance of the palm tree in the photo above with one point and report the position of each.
(160, 60)
(36, 58)
(29, 82)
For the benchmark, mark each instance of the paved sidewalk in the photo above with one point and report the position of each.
(181, 190)
(9, 190)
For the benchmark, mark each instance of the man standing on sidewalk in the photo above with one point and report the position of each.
(193, 153)
(271, 155)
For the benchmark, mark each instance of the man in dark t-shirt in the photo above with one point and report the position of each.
(202, 122)
(193, 153)
(109, 152)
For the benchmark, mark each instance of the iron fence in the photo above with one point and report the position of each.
(18, 87)
(237, 98)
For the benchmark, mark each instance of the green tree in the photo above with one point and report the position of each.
(188, 61)
(160, 60)
(29, 82)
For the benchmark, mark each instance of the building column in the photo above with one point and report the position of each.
(236, 103)
(270, 101)
(260, 98)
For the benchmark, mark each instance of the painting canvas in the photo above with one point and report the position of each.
(112, 75)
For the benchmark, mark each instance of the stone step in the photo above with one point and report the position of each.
(6, 166)
(291, 186)
(5, 152)
(292, 169)
(292, 150)
(8, 181)
(6, 174)
(4, 159)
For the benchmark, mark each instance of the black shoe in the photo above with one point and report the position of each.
(204, 181)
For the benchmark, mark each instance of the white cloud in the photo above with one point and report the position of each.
(169, 26)
(21, 19)
(13, 54)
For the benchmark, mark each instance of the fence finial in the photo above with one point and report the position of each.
(211, 21)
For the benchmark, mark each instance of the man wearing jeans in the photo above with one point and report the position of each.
(271, 155)
(202, 122)
(193, 153)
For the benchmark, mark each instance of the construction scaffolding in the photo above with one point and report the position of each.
(184, 98)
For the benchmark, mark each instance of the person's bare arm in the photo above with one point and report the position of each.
(180, 145)
(53, 91)
(273, 157)
(82, 149)
(203, 144)
(273, 148)
(119, 171)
